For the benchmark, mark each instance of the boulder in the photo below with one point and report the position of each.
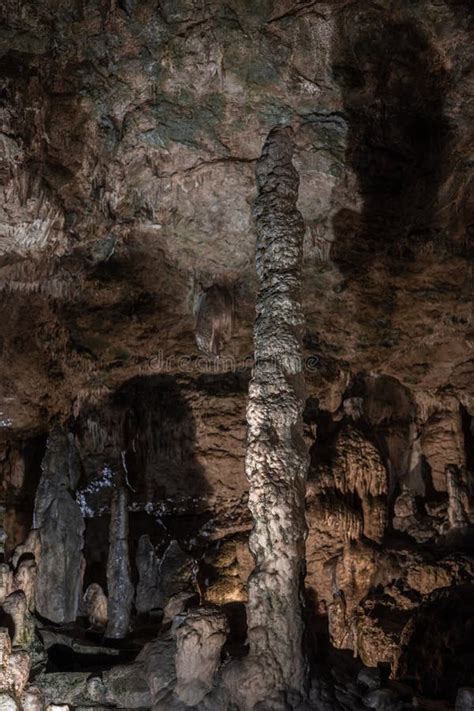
(200, 636)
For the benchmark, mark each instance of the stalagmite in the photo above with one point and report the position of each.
(96, 605)
(199, 640)
(276, 458)
(119, 584)
(16, 607)
(59, 521)
(6, 581)
(457, 496)
(25, 580)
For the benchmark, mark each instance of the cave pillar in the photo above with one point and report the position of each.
(119, 576)
(276, 457)
(59, 527)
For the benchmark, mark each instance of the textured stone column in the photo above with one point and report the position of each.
(119, 577)
(60, 530)
(276, 460)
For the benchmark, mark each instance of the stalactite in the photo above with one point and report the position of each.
(119, 583)
(276, 459)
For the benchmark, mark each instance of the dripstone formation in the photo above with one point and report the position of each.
(236, 382)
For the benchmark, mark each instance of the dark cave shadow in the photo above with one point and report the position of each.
(159, 436)
(393, 87)
(157, 444)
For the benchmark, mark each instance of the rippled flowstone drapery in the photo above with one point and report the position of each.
(276, 457)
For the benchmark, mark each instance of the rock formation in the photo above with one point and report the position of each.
(200, 637)
(60, 526)
(276, 457)
(130, 134)
(119, 585)
(96, 605)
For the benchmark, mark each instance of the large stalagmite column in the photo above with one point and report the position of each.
(277, 460)
(60, 527)
(119, 583)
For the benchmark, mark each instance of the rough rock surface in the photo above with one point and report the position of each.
(276, 456)
(96, 605)
(200, 636)
(119, 584)
(129, 134)
(60, 525)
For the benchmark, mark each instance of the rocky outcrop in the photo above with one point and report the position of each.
(148, 565)
(200, 637)
(162, 578)
(225, 570)
(96, 604)
(14, 670)
(16, 606)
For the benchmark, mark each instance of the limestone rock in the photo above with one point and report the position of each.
(276, 461)
(148, 595)
(32, 699)
(370, 678)
(200, 636)
(119, 583)
(30, 548)
(58, 519)
(96, 605)
(214, 317)
(385, 700)
(8, 703)
(158, 659)
(6, 581)
(225, 571)
(441, 442)
(176, 573)
(122, 687)
(176, 605)
(16, 606)
(14, 667)
(465, 699)
(25, 580)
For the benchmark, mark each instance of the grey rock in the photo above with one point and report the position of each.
(158, 659)
(176, 573)
(465, 699)
(8, 703)
(119, 575)
(148, 595)
(61, 528)
(370, 678)
(200, 636)
(385, 700)
(124, 686)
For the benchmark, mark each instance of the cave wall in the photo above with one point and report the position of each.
(130, 133)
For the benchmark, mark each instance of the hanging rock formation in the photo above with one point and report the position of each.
(60, 525)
